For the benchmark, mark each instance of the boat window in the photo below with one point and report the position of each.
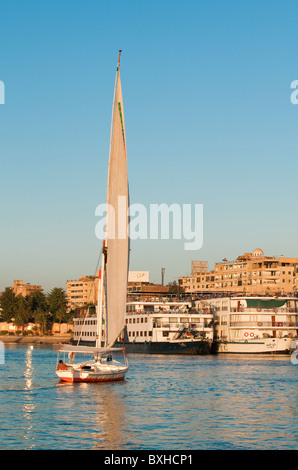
(235, 317)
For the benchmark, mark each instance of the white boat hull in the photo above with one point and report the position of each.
(97, 373)
(256, 346)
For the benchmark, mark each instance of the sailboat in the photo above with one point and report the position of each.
(100, 364)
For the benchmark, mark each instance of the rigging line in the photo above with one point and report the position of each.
(111, 139)
(98, 262)
(91, 290)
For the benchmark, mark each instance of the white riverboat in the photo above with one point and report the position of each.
(254, 324)
(155, 327)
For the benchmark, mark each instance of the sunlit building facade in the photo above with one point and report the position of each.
(24, 289)
(251, 273)
(82, 292)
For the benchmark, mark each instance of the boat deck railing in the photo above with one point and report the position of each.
(260, 311)
(267, 324)
(175, 326)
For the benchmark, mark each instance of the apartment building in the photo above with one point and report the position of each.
(82, 292)
(24, 289)
(250, 273)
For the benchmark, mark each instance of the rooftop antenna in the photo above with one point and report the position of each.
(162, 276)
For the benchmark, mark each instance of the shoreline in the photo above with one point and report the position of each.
(61, 339)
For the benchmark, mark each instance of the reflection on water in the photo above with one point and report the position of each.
(210, 402)
(103, 413)
(28, 405)
(110, 412)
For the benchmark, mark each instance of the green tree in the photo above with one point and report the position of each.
(22, 313)
(43, 318)
(175, 288)
(40, 310)
(38, 300)
(57, 305)
(9, 304)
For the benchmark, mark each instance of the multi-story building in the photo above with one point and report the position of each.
(139, 287)
(137, 290)
(24, 289)
(251, 273)
(82, 292)
(199, 267)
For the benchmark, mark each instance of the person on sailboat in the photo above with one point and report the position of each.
(61, 365)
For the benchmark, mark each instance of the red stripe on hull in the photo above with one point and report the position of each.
(70, 380)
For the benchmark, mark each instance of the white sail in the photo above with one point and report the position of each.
(114, 273)
(117, 237)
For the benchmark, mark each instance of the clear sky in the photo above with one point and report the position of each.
(209, 120)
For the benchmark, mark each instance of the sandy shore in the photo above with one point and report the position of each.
(28, 339)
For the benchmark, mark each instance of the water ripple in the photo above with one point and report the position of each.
(211, 402)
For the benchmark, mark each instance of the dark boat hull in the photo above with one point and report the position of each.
(195, 347)
(190, 348)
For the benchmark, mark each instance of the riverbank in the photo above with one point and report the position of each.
(29, 339)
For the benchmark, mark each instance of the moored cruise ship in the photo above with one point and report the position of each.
(254, 324)
(157, 328)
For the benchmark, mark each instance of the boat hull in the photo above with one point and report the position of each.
(72, 379)
(187, 347)
(258, 346)
(72, 375)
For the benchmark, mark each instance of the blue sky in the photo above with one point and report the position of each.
(206, 88)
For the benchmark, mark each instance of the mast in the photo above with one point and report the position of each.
(100, 298)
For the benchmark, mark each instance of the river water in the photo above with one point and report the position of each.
(166, 402)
